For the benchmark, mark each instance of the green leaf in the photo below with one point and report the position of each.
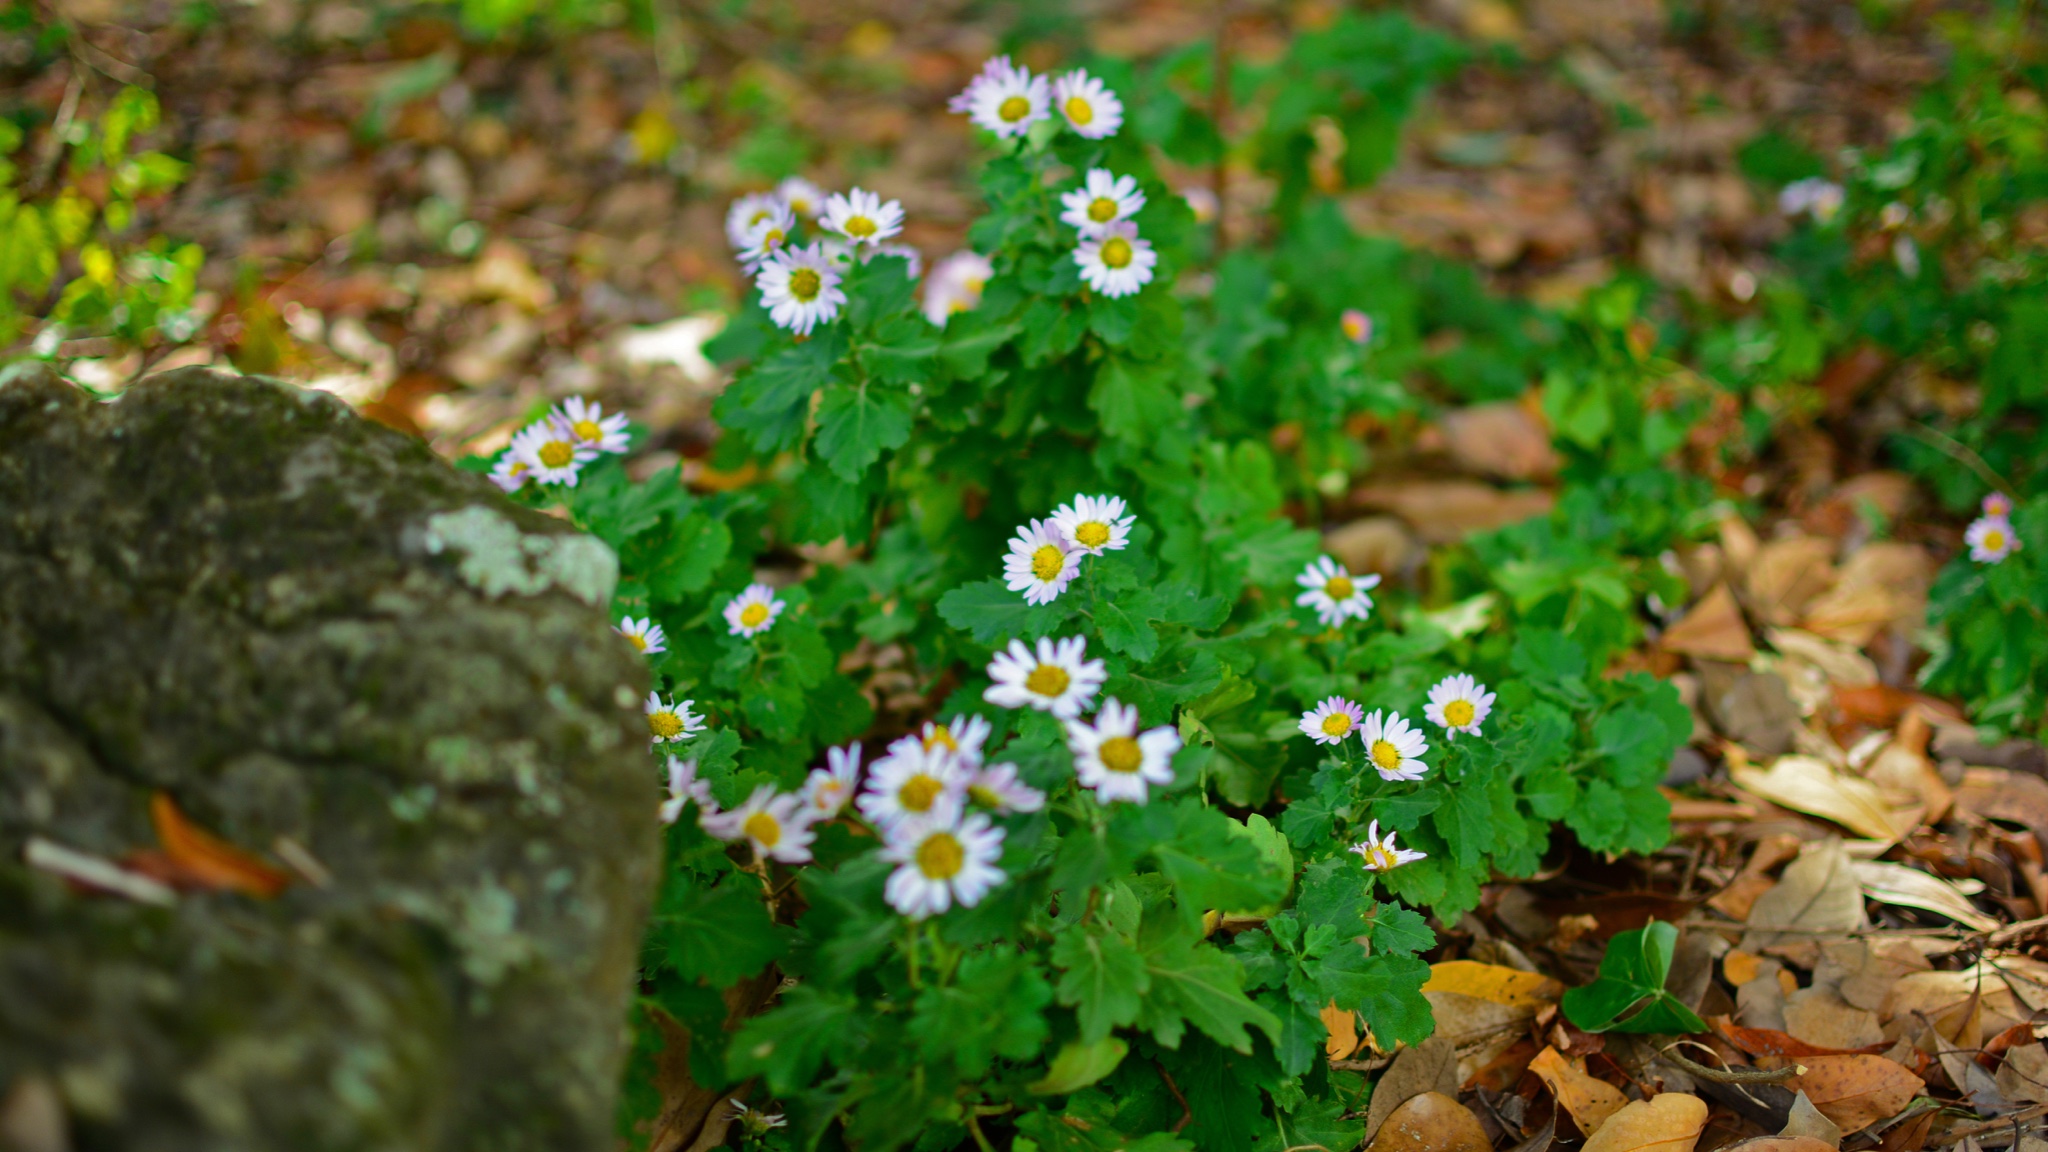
(1124, 628)
(1384, 989)
(1213, 862)
(992, 1006)
(1632, 975)
(1394, 929)
(1134, 401)
(1104, 979)
(769, 403)
(855, 426)
(718, 935)
(1194, 981)
(680, 558)
(788, 1043)
(1078, 1065)
(994, 614)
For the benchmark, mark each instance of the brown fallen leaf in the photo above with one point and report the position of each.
(1342, 1026)
(1897, 884)
(1771, 1042)
(1818, 893)
(1806, 1121)
(1712, 629)
(1431, 1122)
(1590, 1100)
(1786, 575)
(203, 860)
(1668, 1122)
(1496, 982)
(1856, 1091)
(1820, 1017)
(1780, 1144)
(1809, 784)
(1482, 1009)
(1430, 1067)
(2024, 1075)
(1999, 794)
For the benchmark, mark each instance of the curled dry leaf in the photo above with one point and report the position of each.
(1712, 629)
(1482, 1009)
(1590, 1100)
(1856, 1091)
(1431, 1122)
(1431, 1067)
(1818, 893)
(2024, 1075)
(203, 860)
(1911, 888)
(1809, 784)
(1670, 1122)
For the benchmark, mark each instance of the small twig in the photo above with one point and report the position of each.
(1989, 1127)
(1731, 1075)
(1961, 453)
(53, 142)
(1187, 1114)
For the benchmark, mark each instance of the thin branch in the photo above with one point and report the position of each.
(1731, 1075)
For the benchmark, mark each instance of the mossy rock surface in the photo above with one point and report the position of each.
(300, 625)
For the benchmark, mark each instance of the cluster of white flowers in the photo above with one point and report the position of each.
(1008, 100)
(1046, 555)
(1393, 745)
(1990, 536)
(554, 448)
(1113, 258)
(1112, 757)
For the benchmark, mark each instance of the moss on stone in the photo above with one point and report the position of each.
(242, 594)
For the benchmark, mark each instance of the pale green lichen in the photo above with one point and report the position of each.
(498, 558)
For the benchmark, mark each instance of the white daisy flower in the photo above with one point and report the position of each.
(1041, 563)
(912, 259)
(1458, 704)
(1394, 746)
(773, 822)
(862, 217)
(1116, 263)
(800, 288)
(1357, 326)
(551, 453)
(999, 787)
(767, 238)
(1100, 201)
(1381, 855)
(644, 634)
(955, 285)
(801, 197)
(1990, 539)
(912, 782)
(1005, 99)
(746, 216)
(1201, 200)
(510, 472)
(756, 1123)
(1813, 196)
(962, 735)
(1118, 761)
(1057, 678)
(668, 722)
(1331, 721)
(827, 789)
(753, 611)
(1091, 109)
(683, 787)
(591, 427)
(942, 863)
(1094, 524)
(1334, 593)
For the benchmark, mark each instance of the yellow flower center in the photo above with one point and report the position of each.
(759, 215)
(1014, 109)
(974, 287)
(1378, 859)
(763, 829)
(918, 792)
(1994, 540)
(940, 857)
(860, 227)
(1386, 755)
(1047, 562)
(1092, 534)
(1121, 754)
(1116, 252)
(941, 735)
(984, 797)
(1047, 680)
(665, 725)
(773, 237)
(752, 615)
(587, 430)
(637, 640)
(1337, 723)
(1102, 210)
(1459, 713)
(804, 284)
(1079, 110)
(557, 454)
(1339, 588)
(1354, 327)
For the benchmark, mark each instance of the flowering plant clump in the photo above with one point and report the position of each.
(1073, 788)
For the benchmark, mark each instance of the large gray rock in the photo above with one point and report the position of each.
(300, 625)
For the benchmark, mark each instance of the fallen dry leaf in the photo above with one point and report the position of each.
(2024, 1075)
(1856, 1091)
(1999, 794)
(1806, 1121)
(1897, 884)
(1841, 664)
(1771, 1042)
(1786, 574)
(1808, 784)
(1668, 1122)
(1823, 1019)
(203, 860)
(1342, 1026)
(1781, 1144)
(1712, 629)
(1496, 982)
(1482, 1009)
(1503, 440)
(1431, 1122)
(1431, 1067)
(1590, 1100)
(1818, 893)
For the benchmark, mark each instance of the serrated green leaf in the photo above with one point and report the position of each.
(1103, 979)
(857, 424)
(1078, 1065)
(1386, 990)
